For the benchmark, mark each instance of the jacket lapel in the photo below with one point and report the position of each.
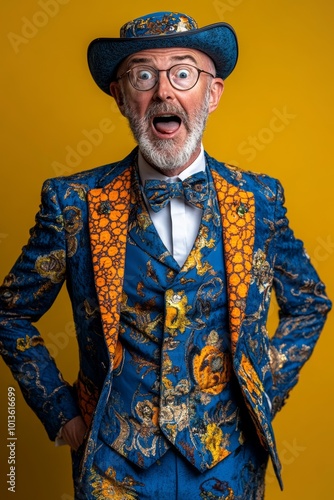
(237, 209)
(108, 226)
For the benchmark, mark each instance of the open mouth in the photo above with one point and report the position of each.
(167, 124)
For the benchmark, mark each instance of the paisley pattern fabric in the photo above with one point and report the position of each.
(194, 189)
(239, 477)
(175, 344)
(158, 24)
(69, 242)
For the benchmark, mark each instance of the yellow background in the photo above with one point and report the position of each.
(48, 102)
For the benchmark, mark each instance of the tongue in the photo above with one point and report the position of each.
(167, 127)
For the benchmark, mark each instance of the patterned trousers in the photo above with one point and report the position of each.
(240, 476)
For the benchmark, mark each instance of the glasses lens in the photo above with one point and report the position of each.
(183, 76)
(143, 77)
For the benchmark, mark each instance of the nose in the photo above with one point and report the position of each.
(163, 89)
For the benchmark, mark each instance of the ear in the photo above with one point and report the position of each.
(117, 94)
(216, 91)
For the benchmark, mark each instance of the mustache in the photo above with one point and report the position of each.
(157, 108)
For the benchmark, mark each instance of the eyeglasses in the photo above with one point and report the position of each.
(180, 76)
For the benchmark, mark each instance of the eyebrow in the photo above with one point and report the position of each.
(147, 60)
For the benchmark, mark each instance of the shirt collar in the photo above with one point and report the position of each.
(146, 171)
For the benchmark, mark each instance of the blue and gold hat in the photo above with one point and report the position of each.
(161, 30)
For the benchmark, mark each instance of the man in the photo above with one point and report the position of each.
(169, 258)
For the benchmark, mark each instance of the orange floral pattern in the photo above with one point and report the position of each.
(253, 383)
(108, 227)
(237, 208)
(107, 486)
(118, 357)
(211, 369)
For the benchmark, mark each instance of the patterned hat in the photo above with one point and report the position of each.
(162, 30)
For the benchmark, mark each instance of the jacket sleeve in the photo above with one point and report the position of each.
(26, 294)
(303, 306)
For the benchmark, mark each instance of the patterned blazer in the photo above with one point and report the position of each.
(80, 237)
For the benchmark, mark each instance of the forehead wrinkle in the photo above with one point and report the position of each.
(182, 58)
(139, 60)
(149, 60)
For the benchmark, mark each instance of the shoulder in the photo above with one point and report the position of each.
(90, 179)
(71, 190)
(258, 183)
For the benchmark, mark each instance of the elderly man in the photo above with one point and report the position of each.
(170, 258)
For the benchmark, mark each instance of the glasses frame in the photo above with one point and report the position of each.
(158, 71)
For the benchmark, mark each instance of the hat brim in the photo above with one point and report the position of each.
(218, 41)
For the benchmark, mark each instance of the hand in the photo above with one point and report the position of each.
(73, 432)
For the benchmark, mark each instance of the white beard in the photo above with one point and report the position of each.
(166, 154)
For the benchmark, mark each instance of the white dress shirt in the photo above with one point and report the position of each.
(178, 223)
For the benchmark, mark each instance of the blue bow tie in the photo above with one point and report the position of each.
(194, 189)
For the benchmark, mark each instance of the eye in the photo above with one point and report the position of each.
(145, 74)
(182, 73)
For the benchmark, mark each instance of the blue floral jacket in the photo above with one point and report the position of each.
(80, 237)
